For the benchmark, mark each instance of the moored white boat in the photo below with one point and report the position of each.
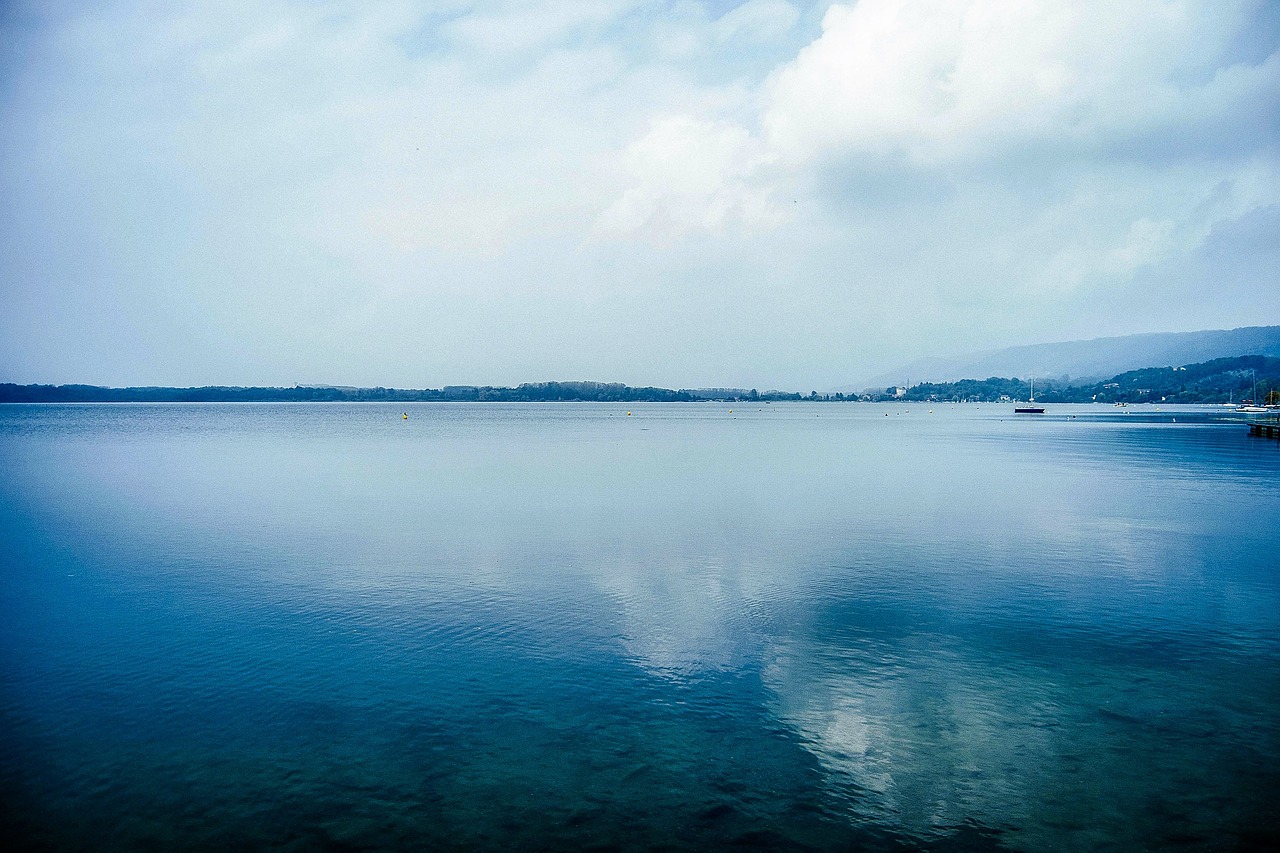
(1032, 409)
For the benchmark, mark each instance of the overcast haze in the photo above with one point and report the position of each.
(765, 194)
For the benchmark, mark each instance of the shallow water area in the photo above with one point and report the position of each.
(693, 626)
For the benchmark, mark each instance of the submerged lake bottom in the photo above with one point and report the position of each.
(638, 626)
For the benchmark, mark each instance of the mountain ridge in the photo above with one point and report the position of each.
(1081, 360)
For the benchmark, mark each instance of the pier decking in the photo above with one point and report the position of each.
(1265, 430)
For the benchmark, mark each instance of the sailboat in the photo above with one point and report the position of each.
(1251, 407)
(1031, 409)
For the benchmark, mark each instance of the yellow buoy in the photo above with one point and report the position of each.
(405, 415)
(628, 414)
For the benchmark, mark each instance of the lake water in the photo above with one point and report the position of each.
(563, 626)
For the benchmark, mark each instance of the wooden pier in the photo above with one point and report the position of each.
(1265, 430)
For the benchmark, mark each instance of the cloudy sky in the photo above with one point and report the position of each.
(771, 193)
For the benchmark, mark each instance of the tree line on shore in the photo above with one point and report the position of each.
(533, 392)
(1218, 381)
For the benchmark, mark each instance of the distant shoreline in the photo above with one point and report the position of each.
(1219, 380)
(543, 392)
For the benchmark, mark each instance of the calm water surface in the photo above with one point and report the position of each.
(558, 626)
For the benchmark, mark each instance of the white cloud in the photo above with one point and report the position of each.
(1146, 243)
(1043, 150)
(966, 85)
(887, 177)
(946, 83)
(691, 174)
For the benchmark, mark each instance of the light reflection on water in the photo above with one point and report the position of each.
(560, 625)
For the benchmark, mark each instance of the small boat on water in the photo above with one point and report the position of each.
(1250, 406)
(1031, 409)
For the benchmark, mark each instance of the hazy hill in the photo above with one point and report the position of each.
(1084, 360)
(1219, 380)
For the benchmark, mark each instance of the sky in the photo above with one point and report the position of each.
(769, 194)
